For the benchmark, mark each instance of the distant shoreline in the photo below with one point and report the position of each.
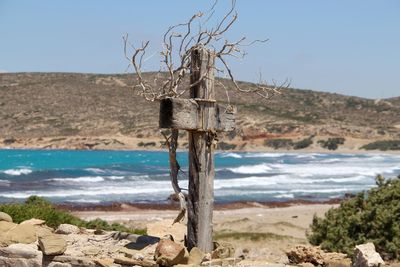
(135, 206)
(261, 150)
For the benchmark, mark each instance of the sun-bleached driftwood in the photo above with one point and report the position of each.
(185, 114)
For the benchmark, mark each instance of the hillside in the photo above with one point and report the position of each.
(68, 110)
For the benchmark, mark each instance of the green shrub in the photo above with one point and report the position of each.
(39, 208)
(303, 143)
(332, 143)
(383, 145)
(372, 216)
(279, 143)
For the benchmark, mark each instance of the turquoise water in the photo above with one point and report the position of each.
(143, 176)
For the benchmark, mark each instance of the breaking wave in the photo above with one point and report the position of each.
(17, 172)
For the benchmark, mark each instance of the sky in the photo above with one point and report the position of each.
(342, 46)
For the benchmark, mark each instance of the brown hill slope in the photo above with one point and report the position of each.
(102, 111)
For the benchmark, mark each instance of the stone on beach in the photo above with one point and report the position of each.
(52, 245)
(107, 262)
(169, 253)
(72, 260)
(130, 262)
(20, 255)
(33, 221)
(11, 233)
(365, 255)
(5, 217)
(196, 256)
(303, 254)
(67, 229)
(59, 264)
(43, 230)
(222, 250)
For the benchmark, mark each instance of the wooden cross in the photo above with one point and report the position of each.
(202, 117)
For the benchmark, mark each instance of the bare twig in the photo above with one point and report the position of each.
(172, 143)
(178, 42)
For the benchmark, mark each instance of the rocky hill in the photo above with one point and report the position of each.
(72, 110)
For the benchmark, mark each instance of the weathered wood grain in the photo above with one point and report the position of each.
(201, 154)
(187, 114)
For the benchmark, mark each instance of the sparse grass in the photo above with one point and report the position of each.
(249, 236)
(225, 146)
(289, 225)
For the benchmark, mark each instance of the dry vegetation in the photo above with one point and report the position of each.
(100, 111)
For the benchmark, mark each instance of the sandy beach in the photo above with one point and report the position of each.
(258, 233)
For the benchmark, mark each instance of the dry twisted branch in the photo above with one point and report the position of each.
(179, 41)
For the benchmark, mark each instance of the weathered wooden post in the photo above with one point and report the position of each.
(201, 150)
(202, 117)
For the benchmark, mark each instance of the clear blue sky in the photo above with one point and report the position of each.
(347, 47)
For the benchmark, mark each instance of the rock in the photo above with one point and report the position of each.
(11, 233)
(346, 262)
(91, 250)
(365, 255)
(72, 260)
(196, 256)
(33, 221)
(43, 230)
(221, 262)
(222, 250)
(52, 245)
(67, 229)
(130, 253)
(104, 262)
(20, 255)
(6, 226)
(5, 217)
(336, 260)
(302, 254)
(58, 264)
(169, 253)
(129, 262)
(252, 263)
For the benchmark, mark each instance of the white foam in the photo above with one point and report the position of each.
(96, 170)
(322, 190)
(17, 172)
(231, 155)
(252, 181)
(251, 169)
(339, 169)
(83, 200)
(115, 177)
(78, 179)
(265, 155)
(284, 196)
(95, 191)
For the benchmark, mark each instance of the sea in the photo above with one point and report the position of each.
(100, 177)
